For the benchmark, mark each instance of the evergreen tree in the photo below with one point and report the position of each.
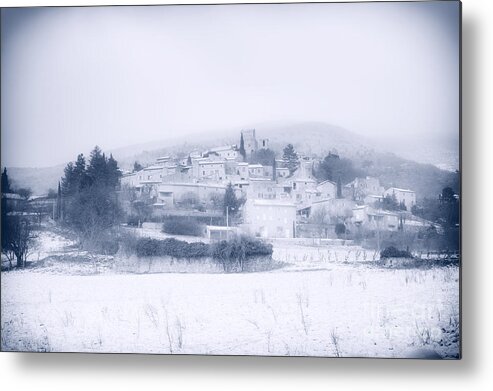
(189, 161)
(80, 175)
(87, 199)
(137, 166)
(231, 202)
(242, 147)
(263, 156)
(274, 168)
(389, 202)
(291, 158)
(96, 169)
(333, 167)
(5, 182)
(113, 172)
(68, 179)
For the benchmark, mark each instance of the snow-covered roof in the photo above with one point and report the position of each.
(400, 190)
(150, 182)
(261, 202)
(374, 196)
(187, 184)
(381, 213)
(306, 179)
(261, 179)
(222, 148)
(154, 167)
(219, 228)
(325, 182)
(11, 196)
(211, 162)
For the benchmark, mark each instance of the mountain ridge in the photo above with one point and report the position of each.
(310, 138)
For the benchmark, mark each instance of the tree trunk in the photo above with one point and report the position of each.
(20, 263)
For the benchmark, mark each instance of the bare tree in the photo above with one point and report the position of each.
(20, 236)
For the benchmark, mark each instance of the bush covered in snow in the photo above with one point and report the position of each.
(392, 252)
(240, 253)
(237, 251)
(133, 220)
(147, 247)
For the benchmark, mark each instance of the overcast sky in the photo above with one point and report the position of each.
(115, 76)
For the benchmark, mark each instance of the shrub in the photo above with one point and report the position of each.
(235, 252)
(340, 229)
(392, 252)
(133, 221)
(128, 243)
(256, 247)
(200, 208)
(182, 226)
(107, 243)
(147, 247)
(239, 254)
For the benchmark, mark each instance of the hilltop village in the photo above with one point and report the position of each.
(282, 199)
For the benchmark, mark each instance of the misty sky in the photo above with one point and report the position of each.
(72, 78)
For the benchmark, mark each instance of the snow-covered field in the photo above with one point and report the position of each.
(316, 305)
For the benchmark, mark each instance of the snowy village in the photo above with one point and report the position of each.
(280, 198)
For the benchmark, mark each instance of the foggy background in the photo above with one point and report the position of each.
(115, 76)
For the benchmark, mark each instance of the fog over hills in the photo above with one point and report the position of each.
(397, 164)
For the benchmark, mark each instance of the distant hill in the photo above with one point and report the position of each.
(308, 138)
(40, 180)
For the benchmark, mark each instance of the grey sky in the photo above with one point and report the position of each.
(113, 76)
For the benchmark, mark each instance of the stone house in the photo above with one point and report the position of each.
(405, 196)
(270, 218)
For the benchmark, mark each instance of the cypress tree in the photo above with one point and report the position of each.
(242, 147)
(5, 182)
(58, 212)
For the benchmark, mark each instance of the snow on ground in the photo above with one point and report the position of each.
(158, 234)
(325, 302)
(321, 257)
(345, 311)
